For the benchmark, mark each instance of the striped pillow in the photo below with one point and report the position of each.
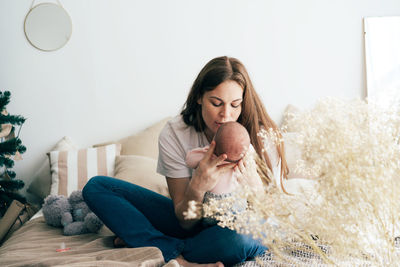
(70, 170)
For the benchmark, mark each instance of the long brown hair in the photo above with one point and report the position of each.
(253, 116)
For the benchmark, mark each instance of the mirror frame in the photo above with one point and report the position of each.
(40, 29)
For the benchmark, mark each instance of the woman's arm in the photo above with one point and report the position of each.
(181, 193)
(204, 179)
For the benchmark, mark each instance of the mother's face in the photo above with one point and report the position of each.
(221, 105)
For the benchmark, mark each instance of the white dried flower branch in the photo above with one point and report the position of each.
(352, 149)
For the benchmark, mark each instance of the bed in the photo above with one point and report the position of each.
(37, 244)
(133, 159)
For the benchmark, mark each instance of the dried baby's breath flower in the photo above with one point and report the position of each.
(352, 215)
(352, 147)
(193, 212)
(271, 135)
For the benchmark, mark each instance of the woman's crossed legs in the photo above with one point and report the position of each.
(142, 218)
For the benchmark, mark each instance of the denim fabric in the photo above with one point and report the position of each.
(144, 218)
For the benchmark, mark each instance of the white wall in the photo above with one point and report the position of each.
(130, 63)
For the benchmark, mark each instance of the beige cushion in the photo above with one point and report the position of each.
(71, 169)
(144, 143)
(140, 170)
(41, 182)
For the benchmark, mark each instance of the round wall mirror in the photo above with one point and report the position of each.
(48, 26)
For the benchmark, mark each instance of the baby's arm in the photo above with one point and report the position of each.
(194, 156)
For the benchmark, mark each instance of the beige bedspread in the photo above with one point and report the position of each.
(35, 244)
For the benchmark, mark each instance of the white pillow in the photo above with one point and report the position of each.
(70, 170)
(299, 186)
(65, 143)
(293, 154)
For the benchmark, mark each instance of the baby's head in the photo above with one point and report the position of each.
(233, 140)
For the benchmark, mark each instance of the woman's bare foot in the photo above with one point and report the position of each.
(185, 263)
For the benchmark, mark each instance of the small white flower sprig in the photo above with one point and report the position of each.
(194, 210)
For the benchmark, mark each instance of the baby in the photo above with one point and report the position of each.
(231, 139)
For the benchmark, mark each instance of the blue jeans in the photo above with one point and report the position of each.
(144, 218)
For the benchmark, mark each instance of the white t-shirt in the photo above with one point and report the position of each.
(177, 138)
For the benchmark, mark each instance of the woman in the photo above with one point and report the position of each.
(222, 92)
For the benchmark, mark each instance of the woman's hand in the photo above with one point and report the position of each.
(207, 174)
